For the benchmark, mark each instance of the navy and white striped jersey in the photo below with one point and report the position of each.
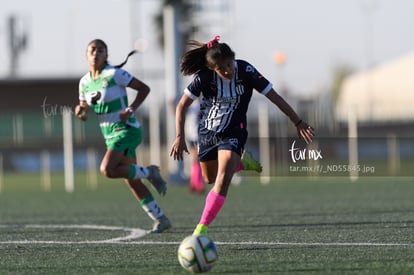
(224, 102)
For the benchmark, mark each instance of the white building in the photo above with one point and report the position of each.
(384, 93)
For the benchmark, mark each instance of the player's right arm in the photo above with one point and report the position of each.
(81, 110)
(179, 146)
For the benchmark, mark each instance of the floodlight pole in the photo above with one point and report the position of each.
(172, 51)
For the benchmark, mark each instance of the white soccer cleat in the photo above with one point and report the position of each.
(160, 225)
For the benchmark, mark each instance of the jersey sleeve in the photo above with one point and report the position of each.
(194, 89)
(122, 77)
(255, 79)
(82, 96)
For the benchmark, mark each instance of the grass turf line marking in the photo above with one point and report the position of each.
(217, 243)
(136, 233)
(283, 243)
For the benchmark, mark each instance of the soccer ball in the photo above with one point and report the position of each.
(197, 253)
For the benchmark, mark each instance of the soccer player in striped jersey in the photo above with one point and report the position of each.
(103, 89)
(224, 85)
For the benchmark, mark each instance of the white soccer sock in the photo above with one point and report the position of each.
(141, 172)
(152, 209)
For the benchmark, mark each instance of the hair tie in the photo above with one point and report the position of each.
(211, 42)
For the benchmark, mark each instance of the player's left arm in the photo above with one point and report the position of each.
(142, 89)
(304, 130)
(142, 92)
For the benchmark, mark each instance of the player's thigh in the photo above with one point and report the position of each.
(228, 161)
(209, 170)
(112, 159)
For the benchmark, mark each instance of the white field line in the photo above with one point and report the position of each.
(137, 233)
(134, 233)
(310, 244)
(285, 243)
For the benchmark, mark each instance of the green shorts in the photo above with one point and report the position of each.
(127, 141)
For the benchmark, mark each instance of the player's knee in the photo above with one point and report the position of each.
(209, 179)
(107, 171)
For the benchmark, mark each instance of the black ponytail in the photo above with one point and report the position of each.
(204, 55)
(126, 59)
(195, 59)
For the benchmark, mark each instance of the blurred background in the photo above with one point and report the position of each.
(345, 66)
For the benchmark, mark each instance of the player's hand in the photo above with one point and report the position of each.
(126, 114)
(81, 112)
(179, 146)
(305, 131)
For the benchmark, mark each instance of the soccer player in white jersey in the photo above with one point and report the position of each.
(103, 89)
(224, 85)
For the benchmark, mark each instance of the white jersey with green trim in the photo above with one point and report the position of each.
(107, 96)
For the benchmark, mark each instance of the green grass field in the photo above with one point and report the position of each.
(291, 226)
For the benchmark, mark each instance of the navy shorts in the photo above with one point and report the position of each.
(209, 143)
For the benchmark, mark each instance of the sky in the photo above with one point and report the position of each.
(315, 36)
